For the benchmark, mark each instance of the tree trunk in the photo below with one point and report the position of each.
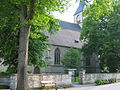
(23, 51)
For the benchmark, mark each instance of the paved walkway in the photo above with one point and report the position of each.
(115, 86)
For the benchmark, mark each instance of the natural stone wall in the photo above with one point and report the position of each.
(51, 54)
(49, 59)
(91, 77)
(53, 69)
(34, 80)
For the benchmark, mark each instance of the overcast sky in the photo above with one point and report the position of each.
(68, 15)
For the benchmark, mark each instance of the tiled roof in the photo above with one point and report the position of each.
(69, 26)
(67, 36)
(80, 7)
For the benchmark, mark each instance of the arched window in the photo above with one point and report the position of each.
(78, 19)
(36, 70)
(57, 56)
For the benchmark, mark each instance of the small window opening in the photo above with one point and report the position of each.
(76, 41)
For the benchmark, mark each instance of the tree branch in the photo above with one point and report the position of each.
(31, 9)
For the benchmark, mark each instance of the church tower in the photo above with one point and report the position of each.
(78, 14)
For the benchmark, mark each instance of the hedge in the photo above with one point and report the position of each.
(105, 81)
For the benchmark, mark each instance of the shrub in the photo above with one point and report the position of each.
(71, 58)
(75, 79)
(105, 81)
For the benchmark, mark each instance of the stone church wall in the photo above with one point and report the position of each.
(49, 59)
(52, 48)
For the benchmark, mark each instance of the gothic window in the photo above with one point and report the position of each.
(36, 70)
(57, 56)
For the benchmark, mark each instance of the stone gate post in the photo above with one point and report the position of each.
(81, 76)
(13, 82)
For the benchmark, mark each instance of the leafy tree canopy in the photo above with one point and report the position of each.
(10, 25)
(28, 19)
(71, 59)
(100, 32)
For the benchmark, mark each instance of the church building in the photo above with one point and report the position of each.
(63, 40)
(68, 37)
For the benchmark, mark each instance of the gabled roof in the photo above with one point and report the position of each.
(69, 26)
(67, 36)
(80, 7)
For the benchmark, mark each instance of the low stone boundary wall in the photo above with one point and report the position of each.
(86, 78)
(90, 78)
(34, 80)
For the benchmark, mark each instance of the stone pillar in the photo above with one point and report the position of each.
(96, 63)
(13, 82)
(82, 58)
(81, 76)
(71, 72)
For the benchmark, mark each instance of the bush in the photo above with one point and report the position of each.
(105, 81)
(71, 59)
(75, 79)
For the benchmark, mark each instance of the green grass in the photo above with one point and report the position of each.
(75, 79)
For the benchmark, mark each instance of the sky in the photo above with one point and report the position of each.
(68, 14)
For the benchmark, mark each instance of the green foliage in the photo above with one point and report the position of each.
(105, 81)
(75, 79)
(4, 87)
(71, 59)
(6, 73)
(36, 49)
(105, 69)
(100, 32)
(41, 21)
